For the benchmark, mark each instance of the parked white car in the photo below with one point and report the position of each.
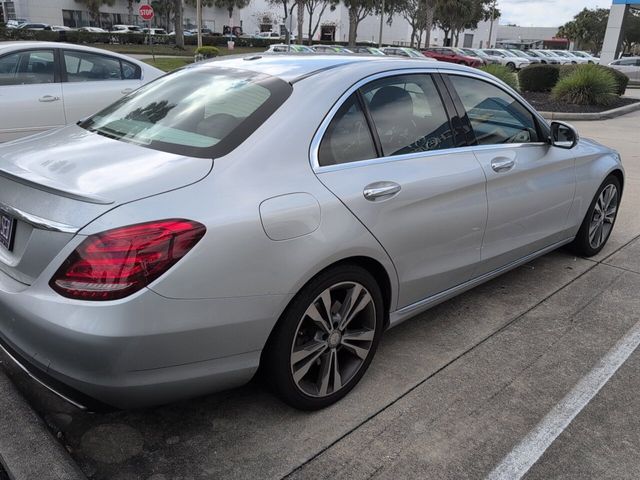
(561, 59)
(126, 29)
(508, 59)
(45, 85)
(574, 59)
(590, 58)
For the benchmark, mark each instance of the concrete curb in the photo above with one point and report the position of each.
(616, 112)
(28, 451)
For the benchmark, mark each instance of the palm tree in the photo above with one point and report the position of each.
(93, 6)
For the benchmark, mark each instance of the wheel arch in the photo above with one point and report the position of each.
(371, 265)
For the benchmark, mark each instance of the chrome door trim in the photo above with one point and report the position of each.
(317, 138)
(432, 153)
(38, 222)
(409, 311)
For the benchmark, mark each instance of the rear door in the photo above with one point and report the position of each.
(530, 184)
(92, 81)
(30, 93)
(388, 152)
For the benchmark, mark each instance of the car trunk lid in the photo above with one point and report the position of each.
(55, 183)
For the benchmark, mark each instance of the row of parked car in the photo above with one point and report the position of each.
(472, 57)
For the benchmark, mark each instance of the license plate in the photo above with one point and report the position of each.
(7, 228)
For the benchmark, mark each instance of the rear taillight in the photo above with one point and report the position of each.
(116, 263)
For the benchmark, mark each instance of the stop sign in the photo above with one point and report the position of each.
(146, 12)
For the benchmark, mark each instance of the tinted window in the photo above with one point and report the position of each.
(26, 68)
(408, 114)
(90, 67)
(197, 112)
(628, 61)
(348, 138)
(496, 117)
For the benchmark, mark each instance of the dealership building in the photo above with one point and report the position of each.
(259, 16)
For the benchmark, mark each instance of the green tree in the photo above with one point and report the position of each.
(288, 6)
(455, 16)
(230, 6)
(93, 6)
(164, 10)
(312, 7)
(586, 29)
(358, 11)
(130, 9)
(631, 30)
(178, 14)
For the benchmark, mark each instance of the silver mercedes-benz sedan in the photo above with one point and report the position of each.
(276, 211)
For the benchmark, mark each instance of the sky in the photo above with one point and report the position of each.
(544, 13)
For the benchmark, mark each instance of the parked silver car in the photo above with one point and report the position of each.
(630, 66)
(175, 241)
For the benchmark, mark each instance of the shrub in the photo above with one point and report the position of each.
(538, 77)
(620, 78)
(502, 73)
(586, 85)
(207, 52)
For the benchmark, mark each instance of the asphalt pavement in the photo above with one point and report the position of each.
(535, 372)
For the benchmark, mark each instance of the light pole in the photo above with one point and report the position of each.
(199, 21)
(381, 23)
(493, 16)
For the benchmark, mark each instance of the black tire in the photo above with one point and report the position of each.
(511, 66)
(278, 364)
(581, 244)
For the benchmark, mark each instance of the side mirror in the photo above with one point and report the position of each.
(563, 135)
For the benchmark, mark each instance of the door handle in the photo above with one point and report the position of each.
(380, 190)
(127, 91)
(502, 164)
(48, 98)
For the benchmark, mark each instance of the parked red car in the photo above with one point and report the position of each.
(453, 55)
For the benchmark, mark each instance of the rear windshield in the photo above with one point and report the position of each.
(199, 112)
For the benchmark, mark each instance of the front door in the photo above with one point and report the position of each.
(530, 184)
(387, 155)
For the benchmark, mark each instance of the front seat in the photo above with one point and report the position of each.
(392, 112)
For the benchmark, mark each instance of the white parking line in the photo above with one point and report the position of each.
(518, 462)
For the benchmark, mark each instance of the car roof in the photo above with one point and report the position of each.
(19, 45)
(292, 67)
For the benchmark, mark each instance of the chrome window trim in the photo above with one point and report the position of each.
(320, 132)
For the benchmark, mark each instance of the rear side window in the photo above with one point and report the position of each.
(408, 114)
(27, 68)
(348, 138)
(204, 112)
(90, 67)
(496, 116)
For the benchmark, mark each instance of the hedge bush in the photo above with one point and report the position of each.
(207, 52)
(620, 78)
(538, 77)
(586, 85)
(502, 73)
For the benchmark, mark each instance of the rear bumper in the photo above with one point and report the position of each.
(144, 350)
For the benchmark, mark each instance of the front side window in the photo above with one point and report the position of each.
(408, 114)
(203, 112)
(496, 117)
(27, 68)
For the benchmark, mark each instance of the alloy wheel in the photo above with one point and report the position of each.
(604, 214)
(333, 339)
